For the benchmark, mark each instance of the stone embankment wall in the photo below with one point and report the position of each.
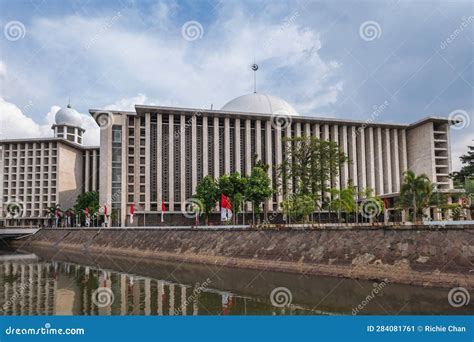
(412, 255)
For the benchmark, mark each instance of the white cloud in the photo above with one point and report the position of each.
(128, 103)
(15, 124)
(173, 71)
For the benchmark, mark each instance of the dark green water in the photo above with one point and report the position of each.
(49, 282)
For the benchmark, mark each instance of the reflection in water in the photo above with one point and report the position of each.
(121, 285)
(69, 289)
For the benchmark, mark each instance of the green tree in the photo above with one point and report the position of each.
(371, 206)
(309, 165)
(258, 188)
(233, 186)
(467, 170)
(298, 206)
(416, 193)
(342, 200)
(207, 193)
(89, 199)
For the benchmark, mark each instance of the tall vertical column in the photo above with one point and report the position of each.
(87, 168)
(182, 142)
(159, 160)
(268, 146)
(316, 131)
(345, 165)
(258, 139)
(227, 155)
(278, 160)
(387, 161)
(216, 148)
(94, 170)
(307, 129)
(147, 161)
(194, 166)
(289, 185)
(361, 158)
(402, 138)
(298, 129)
(369, 154)
(353, 156)
(237, 146)
(395, 162)
(171, 161)
(335, 139)
(379, 189)
(248, 147)
(205, 144)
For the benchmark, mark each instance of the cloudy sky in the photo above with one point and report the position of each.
(339, 59)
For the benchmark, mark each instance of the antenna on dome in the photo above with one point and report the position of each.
(254, 68)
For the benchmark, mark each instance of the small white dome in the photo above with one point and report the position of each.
(259, 104)
(68, 116)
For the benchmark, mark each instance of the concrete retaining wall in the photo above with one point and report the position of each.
(412, 255)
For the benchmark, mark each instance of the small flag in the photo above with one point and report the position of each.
(163, 210)
(226, 206)
(132, 210)
(385, 203)
(106, 220)
(88, 220)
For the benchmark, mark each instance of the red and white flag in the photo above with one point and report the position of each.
(226, 208)
(163, 210)
(132, 210)
(88, 220)
(106, 220)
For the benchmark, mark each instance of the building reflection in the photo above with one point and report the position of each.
(68, 289)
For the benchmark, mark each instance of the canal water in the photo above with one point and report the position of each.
(51, 282)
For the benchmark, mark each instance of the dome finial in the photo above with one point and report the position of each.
(254, 68)
(69, 102)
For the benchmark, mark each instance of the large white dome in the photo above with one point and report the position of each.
(259, 104)
(68, 116)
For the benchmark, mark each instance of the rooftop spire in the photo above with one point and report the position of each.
(254, 68)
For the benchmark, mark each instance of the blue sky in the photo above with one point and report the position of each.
(416, 57)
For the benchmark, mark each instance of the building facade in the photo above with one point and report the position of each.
(39, 174)
(156, 155)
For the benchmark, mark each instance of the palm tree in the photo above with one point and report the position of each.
(416, 192)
